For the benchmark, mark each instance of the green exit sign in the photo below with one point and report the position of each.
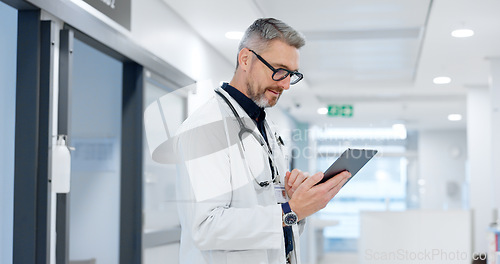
(344, 110)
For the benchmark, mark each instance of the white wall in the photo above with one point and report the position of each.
(495, 130)
(442, 167)
(159, 29)
(424, 236)
(480, 162)
(8, 42)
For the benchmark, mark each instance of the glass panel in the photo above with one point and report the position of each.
(380, 185)
(8, 51)
(96, 107)
(165, 111)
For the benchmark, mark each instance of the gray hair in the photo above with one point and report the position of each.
(264, 30)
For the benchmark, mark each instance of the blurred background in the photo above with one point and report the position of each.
(419, 80)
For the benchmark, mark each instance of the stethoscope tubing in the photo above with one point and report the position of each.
(244, 129)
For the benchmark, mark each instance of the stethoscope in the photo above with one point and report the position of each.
(260, 139)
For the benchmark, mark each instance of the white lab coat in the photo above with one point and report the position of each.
(226, 217)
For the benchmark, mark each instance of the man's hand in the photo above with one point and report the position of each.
(309, 198)
(293, 180)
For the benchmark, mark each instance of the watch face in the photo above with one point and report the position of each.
(290, 219)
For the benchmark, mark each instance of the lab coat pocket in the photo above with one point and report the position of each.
(247, 256)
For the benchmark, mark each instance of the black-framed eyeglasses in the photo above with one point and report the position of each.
(280, 73)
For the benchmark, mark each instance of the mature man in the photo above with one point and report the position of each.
(238, 201)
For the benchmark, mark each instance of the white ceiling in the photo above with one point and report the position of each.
(378, 55)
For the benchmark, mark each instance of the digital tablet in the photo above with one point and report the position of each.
(352, 160)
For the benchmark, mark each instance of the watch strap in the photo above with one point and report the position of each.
(286, 208)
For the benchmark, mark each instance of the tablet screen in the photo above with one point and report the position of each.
(351, 160)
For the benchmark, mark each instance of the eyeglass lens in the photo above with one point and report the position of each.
(281, 74)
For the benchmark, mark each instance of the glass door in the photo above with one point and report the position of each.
(95, 133)
(165, 110)
(8, 51)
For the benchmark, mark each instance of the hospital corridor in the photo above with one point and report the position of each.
(249, 131)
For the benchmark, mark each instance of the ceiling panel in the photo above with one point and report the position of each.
(325, 15)
(381, 48)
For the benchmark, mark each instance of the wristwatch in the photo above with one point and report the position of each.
(289, 216)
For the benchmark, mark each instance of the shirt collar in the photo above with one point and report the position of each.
(251, 108)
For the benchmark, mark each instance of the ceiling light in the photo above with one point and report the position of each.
(234, 35)
(442, 80)
(462, 33)
(399, 130)
(381, 175)
(455, 117)
(323, 111)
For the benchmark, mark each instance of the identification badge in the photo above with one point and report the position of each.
(280, 193)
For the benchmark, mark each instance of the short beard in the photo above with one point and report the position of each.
(259, 99)
(262, 102)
